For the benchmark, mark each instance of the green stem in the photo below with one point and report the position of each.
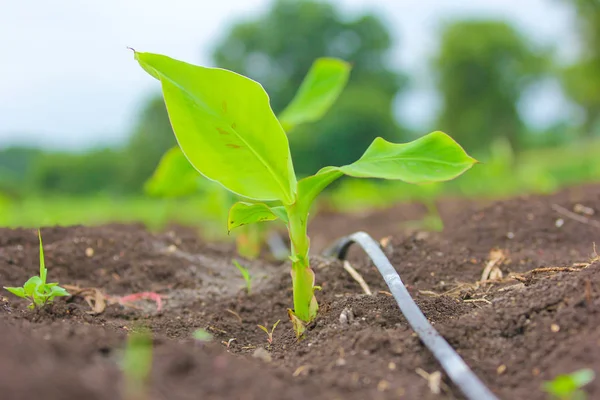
(303, 278)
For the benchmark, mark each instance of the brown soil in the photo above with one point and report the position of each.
(514, 333)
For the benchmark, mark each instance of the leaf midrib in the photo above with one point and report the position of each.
(392, 158)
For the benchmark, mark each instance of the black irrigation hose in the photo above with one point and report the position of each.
(453, 364)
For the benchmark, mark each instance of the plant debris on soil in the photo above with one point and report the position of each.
(512, 285)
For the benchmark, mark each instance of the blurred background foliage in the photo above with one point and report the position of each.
(481, 70)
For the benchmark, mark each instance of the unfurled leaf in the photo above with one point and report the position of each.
(433, 158)
(242, 213)
(317, 93)
(57, 291)
(226, 128)
(32, 285)
(17, 291)
(174, 176)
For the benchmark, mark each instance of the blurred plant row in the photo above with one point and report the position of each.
(482, 70)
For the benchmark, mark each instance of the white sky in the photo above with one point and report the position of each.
(68, 81)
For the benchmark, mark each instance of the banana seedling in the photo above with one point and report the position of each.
(227, 130)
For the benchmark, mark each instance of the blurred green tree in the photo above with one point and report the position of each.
(278, 48)
(76, 174)
(151, 138)
(15, 165)
(581, 80)
(482, 68)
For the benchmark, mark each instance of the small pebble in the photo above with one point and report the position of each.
(554, 328)
(346, 316)
(89, 252)
(501, 369)
(340, 362)
(510, 235)
(383, 385)
(262, 354)
(559, 222)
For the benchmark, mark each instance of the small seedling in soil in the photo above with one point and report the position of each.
(136, 365)
(36, 289)
(227, 130)
(202, 336)
(245, 274)
(568, 387)
(269, 334)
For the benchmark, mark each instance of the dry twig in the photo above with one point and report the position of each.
(357, 277)
(575, 217)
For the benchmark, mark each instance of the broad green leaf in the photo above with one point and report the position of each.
(17, 291)
(433, 158)
(242, 213)
(226, 128)
(57, 291)
(32, 284)
(174, 176)
(317, 93)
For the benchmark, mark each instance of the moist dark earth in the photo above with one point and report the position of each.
(536, 316)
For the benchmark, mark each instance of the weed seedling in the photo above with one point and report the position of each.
(227, 130)
(269, 333)
(245, 274)
(202, 336)
(568, 387)
(136, 365)
(36, 289)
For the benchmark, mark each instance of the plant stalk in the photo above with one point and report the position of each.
(303, 277)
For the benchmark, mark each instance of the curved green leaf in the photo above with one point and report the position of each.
(242, 213)
(226, 128)
(174, 176)
(31, 286)
(435, 157)
(57, 291)
(17, 291)
(320, 88)
(310, 187)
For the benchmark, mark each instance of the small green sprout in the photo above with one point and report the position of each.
(202, 336)
(269, 334)
(227, 130)
(137, 364)
(245, 274)
(36, 289)
(568, 386)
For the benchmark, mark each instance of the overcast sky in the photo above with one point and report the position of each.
(68, 81)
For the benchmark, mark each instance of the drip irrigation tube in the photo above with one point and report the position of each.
(453, 364)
